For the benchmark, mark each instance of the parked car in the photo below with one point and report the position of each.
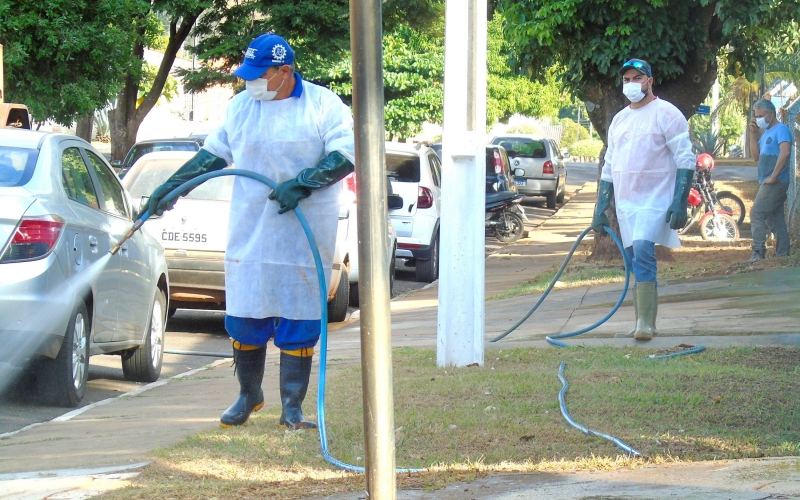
(415, 175)
(153, 146)
(349, 200)
(63, 297)
(539, 167)
(195, 234)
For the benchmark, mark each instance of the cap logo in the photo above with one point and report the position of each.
(251, 53)
(278, 53)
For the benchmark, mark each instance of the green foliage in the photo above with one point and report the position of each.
(525, 129)
(572, 132)
(589, 148)
(508, 93)
(63, 59)
(169, 92)
(592, 37)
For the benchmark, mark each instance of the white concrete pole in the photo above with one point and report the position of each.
(461, 271)
(714, 104)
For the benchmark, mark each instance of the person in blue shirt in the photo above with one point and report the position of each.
(770, 144)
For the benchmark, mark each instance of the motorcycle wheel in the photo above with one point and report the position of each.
(509, 227)
(718, 227)
(733, 204)
(691, 213)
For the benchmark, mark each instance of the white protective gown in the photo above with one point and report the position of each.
(269, 268)
(646, 146)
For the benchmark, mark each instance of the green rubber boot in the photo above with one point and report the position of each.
(647, 306)
(295, 372)
(250, 372)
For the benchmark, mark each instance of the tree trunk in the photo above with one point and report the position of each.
(84, 128)
(124, 121)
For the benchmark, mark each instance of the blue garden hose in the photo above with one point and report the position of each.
(323, 294)
(551, 338)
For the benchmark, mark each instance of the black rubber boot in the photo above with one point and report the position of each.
(250, 372)
(295, 372)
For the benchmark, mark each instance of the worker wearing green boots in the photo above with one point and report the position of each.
(648, 170)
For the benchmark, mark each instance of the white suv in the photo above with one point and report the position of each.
(415, 175)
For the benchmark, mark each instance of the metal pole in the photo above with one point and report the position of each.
(373, 249)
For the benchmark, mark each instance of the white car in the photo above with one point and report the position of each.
(415, 175)
(63, 296)
(195, 233)
(348, 200)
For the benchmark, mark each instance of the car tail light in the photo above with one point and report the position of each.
(33, 239)
(424, 198)
(498, 162)
(547, 168)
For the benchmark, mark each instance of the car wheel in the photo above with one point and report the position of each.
(143, 364)
(551, 199)
(354, 294)
(561, 194)
(337, 308)
(63, 379)
(427, 271)
(392, 269)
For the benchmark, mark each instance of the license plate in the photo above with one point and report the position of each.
(520, 182)
(184, 237)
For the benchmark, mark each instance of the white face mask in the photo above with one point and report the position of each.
(761, 122)
(258, 88)
(633, 91)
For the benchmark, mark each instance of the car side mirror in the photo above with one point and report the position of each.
(395, 201)
(144, 201)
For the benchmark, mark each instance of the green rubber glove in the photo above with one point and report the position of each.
(330, 170)
(677, 211)
(604, 194)
(201, 163)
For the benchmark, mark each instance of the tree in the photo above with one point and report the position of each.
(508, 93)
(681, 39)
(134, 101)
(65, 59)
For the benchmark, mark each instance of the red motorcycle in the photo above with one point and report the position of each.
(712, 211)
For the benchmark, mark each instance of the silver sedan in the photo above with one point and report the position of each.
(63, 297)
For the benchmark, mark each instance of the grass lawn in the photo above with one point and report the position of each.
(465, 423)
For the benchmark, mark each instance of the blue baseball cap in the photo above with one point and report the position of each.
(639, 65)
(265, 51)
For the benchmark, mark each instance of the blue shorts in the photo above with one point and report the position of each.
(289, 334)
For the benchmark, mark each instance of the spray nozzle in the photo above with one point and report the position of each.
(129, 234)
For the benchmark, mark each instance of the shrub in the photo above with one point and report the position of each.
(589, 148)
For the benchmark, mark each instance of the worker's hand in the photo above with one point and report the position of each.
(770, 180)
(288, 194)
(677, 214)
(600, 220)
(157, 205)
(753, 126)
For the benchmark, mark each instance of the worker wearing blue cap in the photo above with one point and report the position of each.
(648, 169)
(301, 136)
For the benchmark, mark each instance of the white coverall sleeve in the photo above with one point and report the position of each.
(605, 174)
(336, 128)
(676, 133)
(217, 142)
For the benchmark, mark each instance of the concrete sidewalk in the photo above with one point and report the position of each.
(97, 448)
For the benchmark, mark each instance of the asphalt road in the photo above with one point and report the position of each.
(204, 331)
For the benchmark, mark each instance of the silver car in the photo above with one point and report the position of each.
(538, 166)
(63, 297)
